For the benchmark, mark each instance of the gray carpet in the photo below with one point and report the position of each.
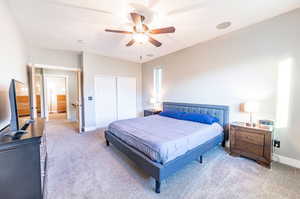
(82, 167)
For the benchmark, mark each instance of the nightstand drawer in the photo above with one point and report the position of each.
(249, 148)
(253, 138)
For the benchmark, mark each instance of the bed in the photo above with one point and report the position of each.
(162, 145)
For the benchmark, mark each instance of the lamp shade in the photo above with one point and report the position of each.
(153, 100)
(251, 107)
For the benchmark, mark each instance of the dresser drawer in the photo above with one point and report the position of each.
(249, 137)
(247, 147)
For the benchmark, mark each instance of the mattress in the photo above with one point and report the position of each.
(161, 138)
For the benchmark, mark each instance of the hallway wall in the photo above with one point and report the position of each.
(60, 58)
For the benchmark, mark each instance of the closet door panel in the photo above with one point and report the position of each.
(126, 97)
(105, 101)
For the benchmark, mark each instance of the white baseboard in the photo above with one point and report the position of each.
(101, 128)
(286, 160)
(92, 128)
(89, 128)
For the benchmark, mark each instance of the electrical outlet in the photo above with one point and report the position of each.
(277, 143)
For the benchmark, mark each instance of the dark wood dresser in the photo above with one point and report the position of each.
(151, 112)
(23, 164)
(252, 142)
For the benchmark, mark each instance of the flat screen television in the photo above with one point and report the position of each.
(20, 105)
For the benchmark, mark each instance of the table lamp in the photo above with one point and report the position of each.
(155, 103)
(250, 107)
(152, 100)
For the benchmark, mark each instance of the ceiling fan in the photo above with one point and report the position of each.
(141, 33)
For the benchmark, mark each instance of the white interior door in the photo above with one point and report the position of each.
(105, 101)
(126, 97)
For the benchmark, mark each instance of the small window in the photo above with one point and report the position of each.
(157, 83)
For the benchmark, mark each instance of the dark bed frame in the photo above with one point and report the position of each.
(161, 171)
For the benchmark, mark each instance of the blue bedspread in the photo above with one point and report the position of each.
(161, 138)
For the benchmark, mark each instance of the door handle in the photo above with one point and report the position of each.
(76, 105)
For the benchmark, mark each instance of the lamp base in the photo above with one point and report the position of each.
(251, 124)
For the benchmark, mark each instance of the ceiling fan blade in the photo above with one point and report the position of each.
(136, 18)
(80, 7)
(163, 30)
(154, 42)
(118, 31)
(145, 27)
(130, 43)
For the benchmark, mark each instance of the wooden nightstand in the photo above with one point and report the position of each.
(151, 112)
(251, 142)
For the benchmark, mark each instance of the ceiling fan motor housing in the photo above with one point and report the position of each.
(145, 18)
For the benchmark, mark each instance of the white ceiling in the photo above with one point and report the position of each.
(49, 24)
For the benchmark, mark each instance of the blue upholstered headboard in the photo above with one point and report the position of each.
(218, 111)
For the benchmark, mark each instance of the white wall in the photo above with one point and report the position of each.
(94, 65)
(235, 68)
(13, 58)
(51, 57)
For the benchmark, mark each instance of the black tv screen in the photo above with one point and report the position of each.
(20, 105)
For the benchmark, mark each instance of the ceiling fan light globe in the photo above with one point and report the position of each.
(140, 38)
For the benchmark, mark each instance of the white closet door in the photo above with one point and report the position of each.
(105, 101)
(126, 97)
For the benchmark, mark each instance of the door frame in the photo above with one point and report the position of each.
(31, 86)
(55, 67)
(42, 100)
(79, 103)
(80, 89)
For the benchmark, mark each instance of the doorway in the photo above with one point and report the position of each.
(57, 97)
